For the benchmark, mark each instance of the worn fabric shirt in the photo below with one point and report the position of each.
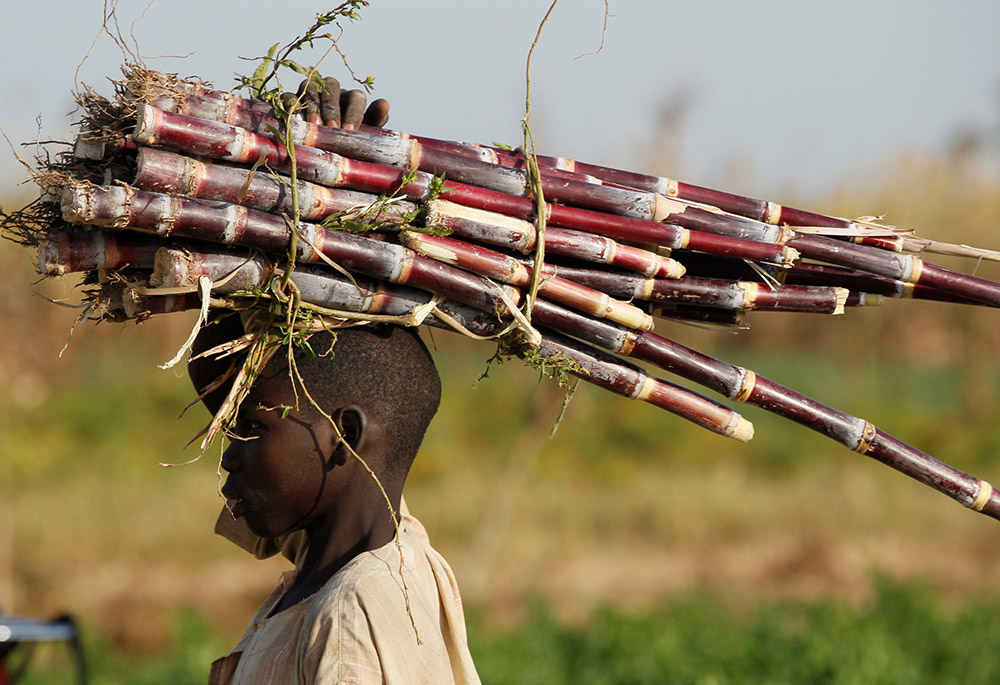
(369, 624)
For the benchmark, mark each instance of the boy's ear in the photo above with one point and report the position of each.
(351, 424)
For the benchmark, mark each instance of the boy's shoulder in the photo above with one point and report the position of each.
(395, 608)
(386, 574)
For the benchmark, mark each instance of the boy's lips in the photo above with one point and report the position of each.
(234, 502)
(236, 507)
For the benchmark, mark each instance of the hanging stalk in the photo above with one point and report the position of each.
(631, 381)
(734, 382)
(743, 385)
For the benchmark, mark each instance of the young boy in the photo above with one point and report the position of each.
(323, 486)
(359, 607)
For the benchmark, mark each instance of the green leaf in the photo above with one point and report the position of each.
(259, 77)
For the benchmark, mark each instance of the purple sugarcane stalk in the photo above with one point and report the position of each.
(228, 142)
(182, 268)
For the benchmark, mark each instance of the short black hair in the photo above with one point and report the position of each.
(385, 369)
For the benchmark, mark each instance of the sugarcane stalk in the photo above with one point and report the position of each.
(167, 172)
(710, 292)
(223, 106)
(240, 145)
(218, 140)
(74, 251)
(631, 381)
(497, 266)
(695, 315)
(235, 143)
(180, 268)
(743, 385)
(242, 139)
(644, 205)
(167, 215)
(517, 234)
(816, 274)
(906, 268)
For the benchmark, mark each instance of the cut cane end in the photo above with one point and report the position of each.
(638, 320)
(48, 259)
(671, 268)
(743, 431)
(88, 149)
(792, 257)
(841, 295)
(145, 124)
(75, 205)
(418, 243)
(663, 207)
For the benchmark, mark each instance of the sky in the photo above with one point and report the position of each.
(791, 94)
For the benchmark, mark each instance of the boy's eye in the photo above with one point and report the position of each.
(246, 428)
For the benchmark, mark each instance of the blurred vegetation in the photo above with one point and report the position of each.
(716, 562)
(905, 636)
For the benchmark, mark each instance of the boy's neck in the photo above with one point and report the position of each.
(355, 527)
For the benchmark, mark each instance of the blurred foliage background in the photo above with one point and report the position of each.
(628, 548)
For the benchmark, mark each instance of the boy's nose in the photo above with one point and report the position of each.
(230, 458)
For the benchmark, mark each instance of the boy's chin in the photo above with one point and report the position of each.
(266, 528)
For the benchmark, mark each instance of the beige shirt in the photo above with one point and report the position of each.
(358, 628)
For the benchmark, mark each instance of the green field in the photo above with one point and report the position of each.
(905, 635)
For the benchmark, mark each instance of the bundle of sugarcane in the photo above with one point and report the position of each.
(178, 197)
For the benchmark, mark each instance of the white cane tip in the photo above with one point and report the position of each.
(743, 431)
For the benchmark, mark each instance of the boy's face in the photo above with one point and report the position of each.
(278, 467)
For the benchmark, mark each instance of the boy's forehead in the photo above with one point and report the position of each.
(270, 388)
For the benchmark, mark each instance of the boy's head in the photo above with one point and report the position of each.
(378, 390)
(387, 371)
